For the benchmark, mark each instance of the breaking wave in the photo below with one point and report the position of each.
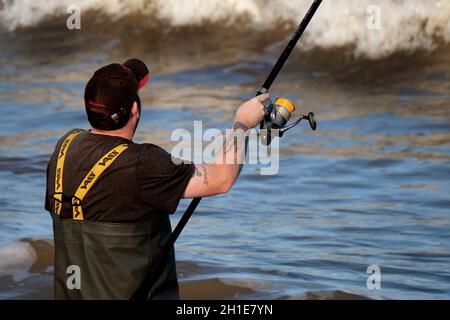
(404, 25)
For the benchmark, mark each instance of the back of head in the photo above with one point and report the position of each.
(110, 93)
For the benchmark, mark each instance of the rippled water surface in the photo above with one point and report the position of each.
(370, 187)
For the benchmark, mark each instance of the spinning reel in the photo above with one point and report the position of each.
(276, 117)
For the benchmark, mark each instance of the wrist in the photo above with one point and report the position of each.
(240, 124)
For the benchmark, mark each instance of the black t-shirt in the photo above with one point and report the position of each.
(142, 182)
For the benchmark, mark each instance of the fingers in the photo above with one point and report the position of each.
(262, 97)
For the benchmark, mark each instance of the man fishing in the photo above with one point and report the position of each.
(110, 198)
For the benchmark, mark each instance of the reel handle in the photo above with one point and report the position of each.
(312, 120)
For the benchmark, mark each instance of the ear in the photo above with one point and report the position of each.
(135, 110)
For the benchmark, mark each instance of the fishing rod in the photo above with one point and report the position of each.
(276, 115)
(275, 118)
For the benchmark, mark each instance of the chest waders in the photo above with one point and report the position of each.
(104, 260)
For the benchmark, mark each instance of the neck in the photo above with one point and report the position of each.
(122, 133)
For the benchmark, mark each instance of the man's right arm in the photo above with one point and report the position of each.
(219, 177)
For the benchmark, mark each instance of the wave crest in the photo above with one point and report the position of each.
(404, 25)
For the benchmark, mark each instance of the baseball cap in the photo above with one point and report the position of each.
(110, 93)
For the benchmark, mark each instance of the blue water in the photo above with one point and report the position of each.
(370, 187)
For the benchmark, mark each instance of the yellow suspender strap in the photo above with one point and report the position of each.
(58, 196)
(92, 177)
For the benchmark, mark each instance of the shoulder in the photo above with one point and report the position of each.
(148, 150)
(64, 137)
(154, 156)
(57, 150)
(67, 134)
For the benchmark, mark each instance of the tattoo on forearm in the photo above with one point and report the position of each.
(200, 171)
(230, 143)
(233, 141)
(240, 125)
(196, 172)
(205, 176)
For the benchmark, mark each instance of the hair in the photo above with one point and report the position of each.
(102, 120)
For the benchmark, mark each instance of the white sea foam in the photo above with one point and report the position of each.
(16, 259)
(406, 25)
